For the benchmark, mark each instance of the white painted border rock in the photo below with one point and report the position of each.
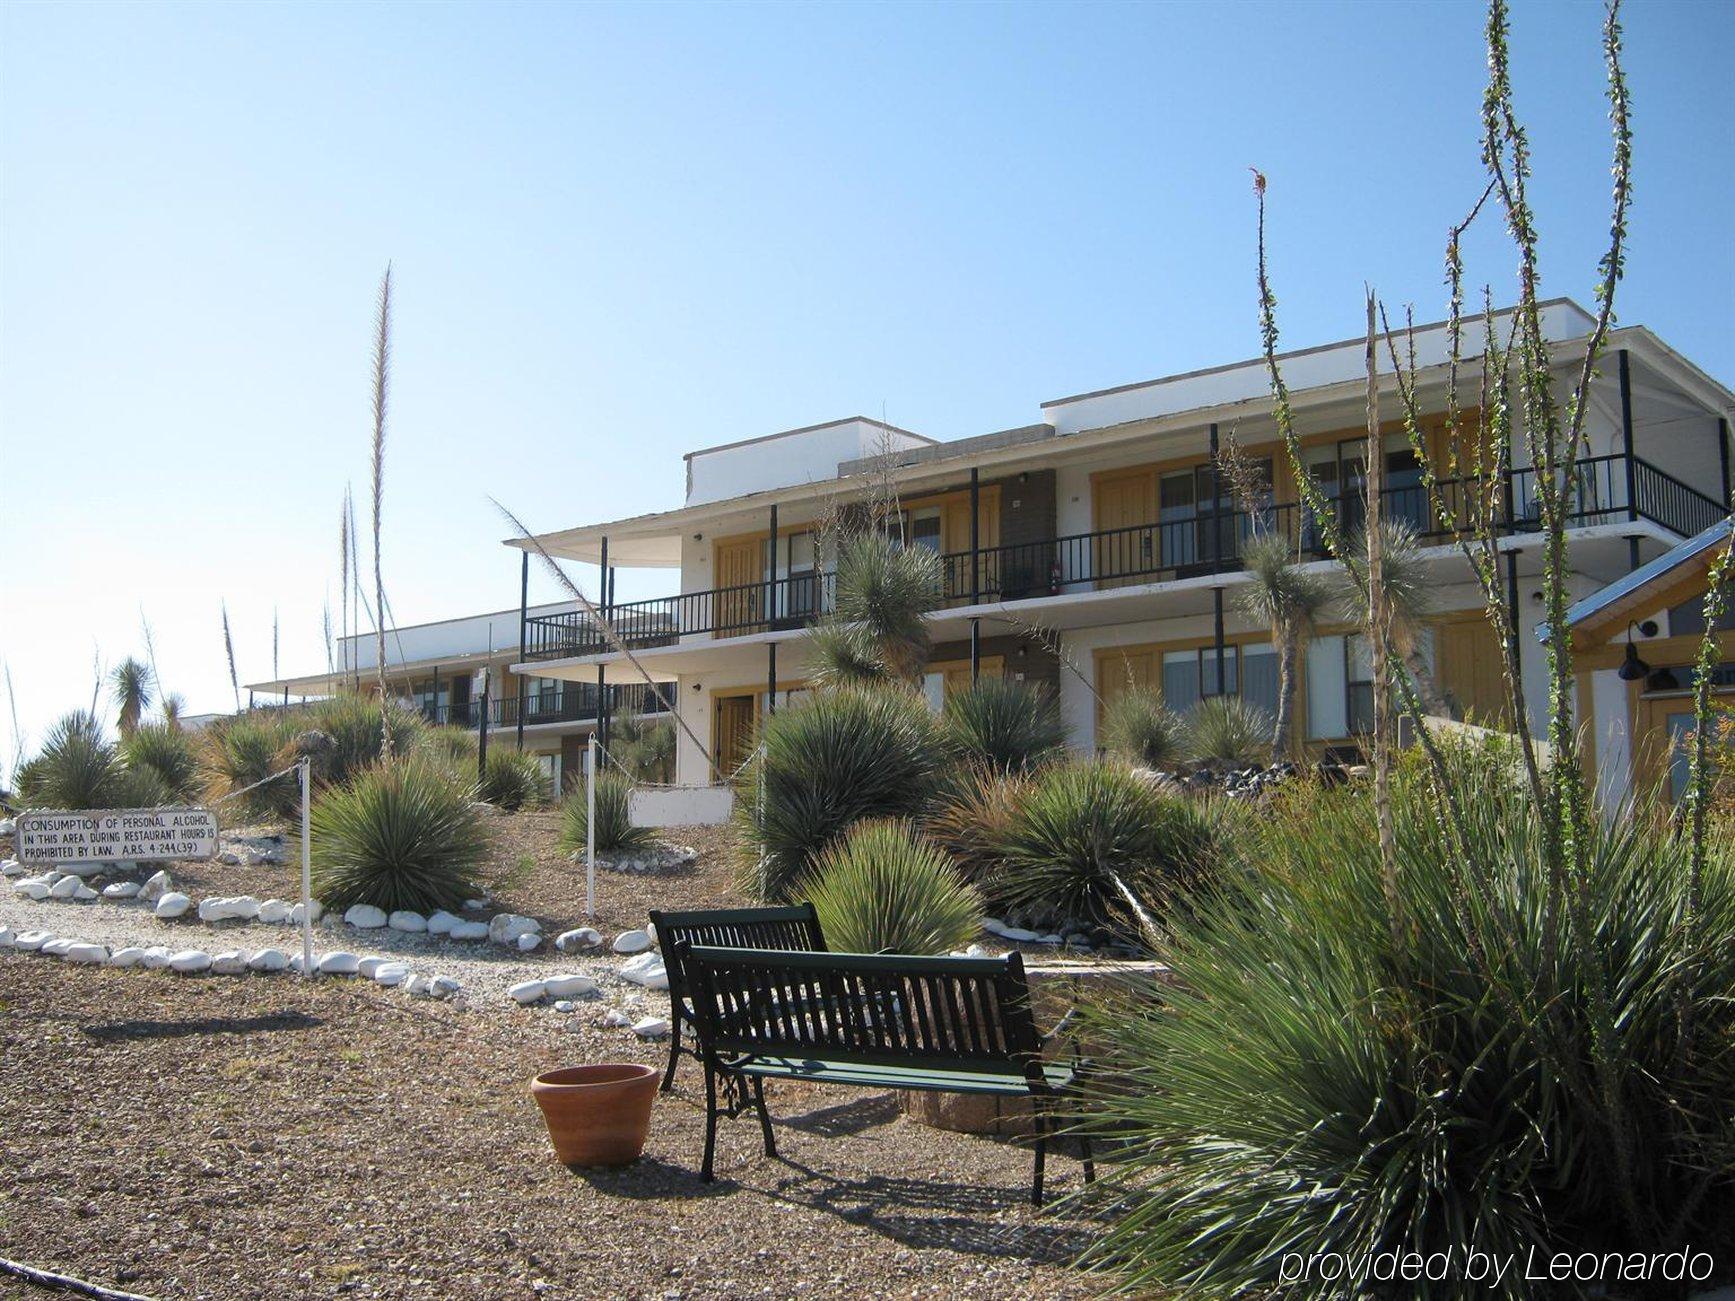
(506, 928)
(584, 937)
(528, 991)
(441, 922)
(274, 912)
(646, 969)
(131, 956)
(365, 917)
(121, 890)
(31, 941)
(410, 923)
(569, 985)
(632, 942)
(469, 931)
(268, 960)
(340, 963)
(173, 904)
(231, 962)
(651, 1027)
(190, 962)
(88, 955)
(155, 888)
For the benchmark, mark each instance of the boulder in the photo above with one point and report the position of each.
(12, 867)
(615, 1017)
(367, 966)
(529, 942)
(84, 894)
(240, 908)
(7, 935)
(646, 969)
(475, 905)
(469, 931)
(365, 917)
(391, 973)
(313, 911)
(121, 890)
(338, 964)
(652, 1027)
(441, 922)
(155, 959)
(442, 987)
(418, 986)
(65, 888)
(173, 904)
(268, 960)
(505, 928)
(31, 888)
(130, 956)
(632, 942)
(91, 955)
(189, 962)
(56, 948)
(528, 991)
(585, 937)
(156, 887)
(231, 962)
(275, 911)
(408, 922)
(31, 941)
(569, 985)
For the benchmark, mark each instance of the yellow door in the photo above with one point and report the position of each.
(733, 730)
(956, 676)
(1123, 670)
(1471, 671)
(740, 571)
(955, 537)
(1124, 552)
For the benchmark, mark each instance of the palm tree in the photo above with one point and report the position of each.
(1289, 599)
(877, 630)
(131, 682)
(1406, 583)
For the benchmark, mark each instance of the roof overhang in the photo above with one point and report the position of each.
(1671, 578)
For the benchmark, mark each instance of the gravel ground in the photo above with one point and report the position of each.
(252, 1136)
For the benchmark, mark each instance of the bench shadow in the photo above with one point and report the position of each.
(853, 1117)
(272, 1022)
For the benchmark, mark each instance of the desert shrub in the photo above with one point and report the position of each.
(1227, 732)
(643, 748)
(77, 768)
(1003, 723)
(344, 734)
(168, 753)
(884, 888)
(829, 761)
(242, 750)
(454, 747)
(615, 832)
(398, 835)
(1314, 1080)
(1138, 728)
(970, 817)
(1088, 835)
(513, 780)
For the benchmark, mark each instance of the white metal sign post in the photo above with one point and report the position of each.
(306, 883)
(117, 835)
(590, 827)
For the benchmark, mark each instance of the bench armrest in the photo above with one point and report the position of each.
(1061, 1027)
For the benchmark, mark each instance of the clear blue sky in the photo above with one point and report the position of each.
(620, 233)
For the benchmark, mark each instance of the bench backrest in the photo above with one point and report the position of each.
(795, 927)
(945, 1014)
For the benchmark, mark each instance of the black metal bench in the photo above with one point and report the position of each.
(951, 1025)
(795, 927)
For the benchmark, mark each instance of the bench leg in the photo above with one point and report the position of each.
(1039, 1120)
(710, 1122)
(1089, 1158)
(674, 1050)
(764, 1116)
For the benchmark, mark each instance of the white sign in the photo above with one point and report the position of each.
(105, 835)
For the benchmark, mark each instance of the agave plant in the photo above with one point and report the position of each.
(1139, 729)
(131, 683)
(512, 780)
(615, 832)
(168, 753)
(882, 888)
(831, 760)
(1227, 732)
(1092, 843)
(1004, 724)
(76, 768)
(1313, 1077)
(399, 835)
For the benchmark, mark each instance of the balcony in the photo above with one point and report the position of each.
(1609, 490)
(575, 702)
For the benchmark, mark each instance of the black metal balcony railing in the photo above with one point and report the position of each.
(575, 702)
(1202, 543)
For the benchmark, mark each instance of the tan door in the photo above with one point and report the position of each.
(1471, 671)
(1124, 552)
(740, 571)
(955, 535)
(957, 675)
(1123, 670)
(732, 731)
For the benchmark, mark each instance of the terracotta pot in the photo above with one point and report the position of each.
(597, 1115)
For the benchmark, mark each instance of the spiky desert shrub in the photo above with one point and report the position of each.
(399, 835)
(1003, 723)
(1092, 843)
(455, 747)
(1138, 728)
(644, 748)
(77, 768)
(244, 750)
(1316, 1079)
(970, 817)
(884, 888)
(345, 734)
(513, 780)
(831, 760)
(615, 832)
(1228, 732)
(170, 754)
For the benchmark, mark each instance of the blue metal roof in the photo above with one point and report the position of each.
(1646, 573)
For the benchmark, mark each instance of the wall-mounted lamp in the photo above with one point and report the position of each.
(1632, 667)
(698, 686)
(698, 537)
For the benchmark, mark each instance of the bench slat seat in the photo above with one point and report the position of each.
(1056, 1075)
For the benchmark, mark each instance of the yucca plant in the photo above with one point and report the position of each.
(399, 835)
(77, 768)
(512, 780)
(131, 683)
(242, 751)
(615, 832)
(1314, 1082)
(1140, 730)
(1091, 843)
(1227, 732)
(644, 748)
(170, 754)
(1288, 598)
(877, 630)
(833, 759)
(969, 819)
(1003, 723)
(883, 888)
(453, 746)
(351, 735)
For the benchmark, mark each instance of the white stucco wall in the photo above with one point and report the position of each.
(786, 460)
(1609, 727)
